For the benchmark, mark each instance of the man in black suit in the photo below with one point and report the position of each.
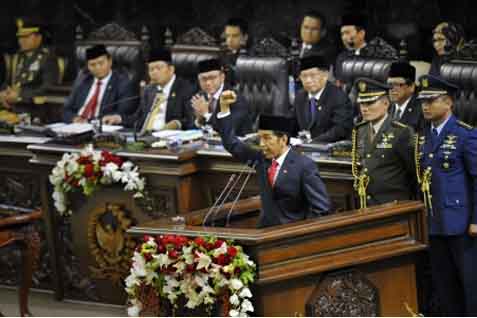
(99, 92)
(314, 42)
(406, 108)
(205, 104)
(353, 36)
(165, 103)
(322, 108)
(290, 186)
(236, 43)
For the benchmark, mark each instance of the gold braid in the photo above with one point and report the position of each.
(361, 181)
(423, 179)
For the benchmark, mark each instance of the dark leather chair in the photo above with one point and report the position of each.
(127, 51)
(463, 74)
(16, 229)
(186, 58)
(374, 68)
(263, 81)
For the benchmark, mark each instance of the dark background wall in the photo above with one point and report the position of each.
(277, 18)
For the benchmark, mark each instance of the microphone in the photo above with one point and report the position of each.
(229, 214)
(224, 200)
(231, 179)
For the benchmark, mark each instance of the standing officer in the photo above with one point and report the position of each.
(446, 154)
(382, 147)
(32, 69)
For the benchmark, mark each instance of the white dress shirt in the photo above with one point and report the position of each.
(280, 160)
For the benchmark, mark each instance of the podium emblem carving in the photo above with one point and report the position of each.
(108, 242)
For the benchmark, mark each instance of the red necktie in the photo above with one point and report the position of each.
(90, 109)
(272, 171)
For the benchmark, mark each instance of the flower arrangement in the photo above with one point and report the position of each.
(200, 270)
(89, 169)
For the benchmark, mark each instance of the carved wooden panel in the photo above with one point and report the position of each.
(344, 294)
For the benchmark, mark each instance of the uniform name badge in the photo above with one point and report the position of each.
(35, 66)
(386, 142)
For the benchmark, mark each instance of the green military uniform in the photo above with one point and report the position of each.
(383, 162)
(31, 72)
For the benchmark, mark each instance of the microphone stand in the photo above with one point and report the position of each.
(231, 179)
(229, 214)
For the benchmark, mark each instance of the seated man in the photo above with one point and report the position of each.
(205, 103)
(290, 186)
(99, 92)
(406, 108)
(33, 68)
(383, 148)
(165, 103)
(353, 35)
(321, 107)
(236, 43)
(312, 37)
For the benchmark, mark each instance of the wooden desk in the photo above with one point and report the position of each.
(354, 263)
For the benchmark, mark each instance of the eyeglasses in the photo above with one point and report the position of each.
(318, 74)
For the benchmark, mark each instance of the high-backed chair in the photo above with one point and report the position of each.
(186, 58)
(374, 68)
(128, 52)
(463, 74)
(264, 83)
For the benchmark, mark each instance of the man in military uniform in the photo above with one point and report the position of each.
(32, 69)
(383, 163)
(447, 172)
(406, 108)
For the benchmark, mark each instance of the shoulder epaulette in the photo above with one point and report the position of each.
(360, 124)
(465, 125)
(398, 124)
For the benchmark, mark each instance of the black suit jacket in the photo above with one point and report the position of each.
(178, 105)
(324, 48)
(240, 116)
(298, 193)
(113, 102)
(333, 118)
(412, 116)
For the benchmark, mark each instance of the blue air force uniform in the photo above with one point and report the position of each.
(449, 152)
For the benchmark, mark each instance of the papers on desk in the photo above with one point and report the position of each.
(79, 128)
(183, 135)
(23, 139)
(111, 128)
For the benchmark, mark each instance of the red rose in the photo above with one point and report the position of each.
(199, 241)
(161, 249)
(173, 254)
(83, 160)
(218, 243)
(209, 246)
(148, 257)
(146, 238)
(88, 170)
(222, 260)
(231, 251)
(190, 268)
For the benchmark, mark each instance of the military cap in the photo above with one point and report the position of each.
(356, 19)
(370, 90)
(432, 86)
(160, 55)
(209, 65)
(27, 26)
(281, 124)
(401, 72)
(96, 51)
(313, 61)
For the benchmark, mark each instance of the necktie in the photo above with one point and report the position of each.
(435, 136)
(272, 171)
(155, 110)
(212, 105)
(313, 103)
(397, 114)
(90, 109)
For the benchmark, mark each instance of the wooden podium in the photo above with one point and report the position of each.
(354, 263)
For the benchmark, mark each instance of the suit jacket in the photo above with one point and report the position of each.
(333, 118)
(453, 160)
(412, 115)
(324, 48)
(119, 88)
(388, 161)
(298, 193)
(241, 120)
(34, 72)
(177, 108)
